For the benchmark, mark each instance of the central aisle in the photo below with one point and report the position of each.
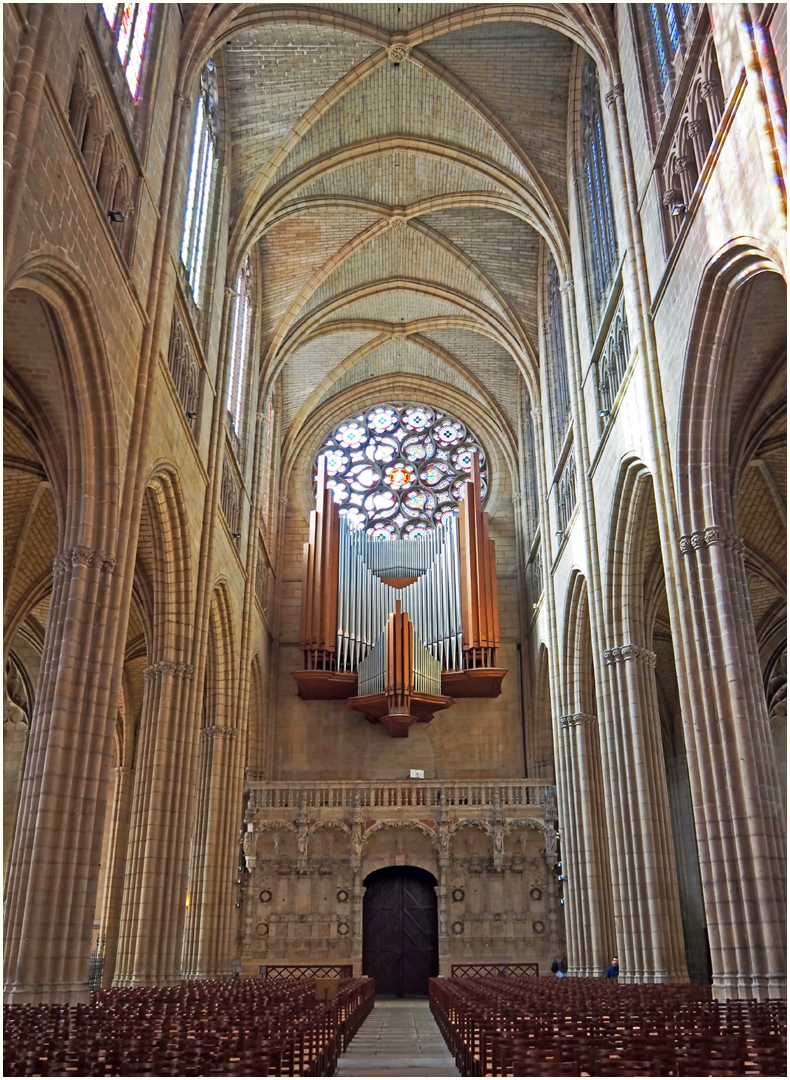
(399, 1038)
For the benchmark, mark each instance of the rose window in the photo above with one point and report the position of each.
(399, 470)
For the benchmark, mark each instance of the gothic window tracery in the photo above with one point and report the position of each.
(130, 24)
(599, 215)
(399, 470)
(201, 181)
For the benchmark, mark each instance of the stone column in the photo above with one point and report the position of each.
(206, 953)
(152, 914)
(585, 847)
(739, 818)
(116, 869)
(51, 896)
(647, 906)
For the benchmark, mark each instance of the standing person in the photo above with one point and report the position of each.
(613, 971)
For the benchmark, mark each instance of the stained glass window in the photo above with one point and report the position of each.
(658, 41)
(239, 349)
(672, 25)
(200, 185)
(602, 240)
(130, 23)
(399, 470)
(560, 400)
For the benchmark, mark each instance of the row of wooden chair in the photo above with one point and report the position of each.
(205, 1028)
(578, 1027)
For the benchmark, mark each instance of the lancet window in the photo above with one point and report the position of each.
(668, 24)
(268, 465)
(560, 399)
(599, 215)
(130, 24)
(201, 182)
(239, 351)
(398, 471)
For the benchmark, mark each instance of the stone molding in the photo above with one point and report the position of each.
(713, 534)
(566, 287)
(168, 667)
(218, 731)
(83, 556)
(629, 652)
(578, 720)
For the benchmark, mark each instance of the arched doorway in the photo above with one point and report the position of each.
(400, 933)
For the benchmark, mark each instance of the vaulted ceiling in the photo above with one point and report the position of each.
(396, 166)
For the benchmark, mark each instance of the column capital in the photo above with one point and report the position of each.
(578, 720)
(83, 556)
(168, 667)
(705, 538)
(620, 653)
(218, 731)
(617, 91)
(566, 287)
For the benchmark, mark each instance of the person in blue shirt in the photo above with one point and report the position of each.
(613, 971)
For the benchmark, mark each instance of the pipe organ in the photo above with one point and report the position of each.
(399, 628)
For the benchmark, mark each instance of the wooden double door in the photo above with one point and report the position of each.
(400, 937)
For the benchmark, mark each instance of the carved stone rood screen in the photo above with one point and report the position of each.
(400, 627)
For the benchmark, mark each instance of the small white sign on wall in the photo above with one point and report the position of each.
(416, 774)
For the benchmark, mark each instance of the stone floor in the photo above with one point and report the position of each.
(399, 1038)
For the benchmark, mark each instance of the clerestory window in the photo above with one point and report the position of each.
(668, 22)
(201, 182)
(601, 240)
(239, 351)
(399, 470)
(557, 366)
(130, 24)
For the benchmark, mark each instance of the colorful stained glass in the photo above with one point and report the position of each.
(672, 24)
(352, 434)
(393, 466)
(134, 61)
(658, 41)
(399, 477)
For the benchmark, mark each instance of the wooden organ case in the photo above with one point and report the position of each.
(399, 628)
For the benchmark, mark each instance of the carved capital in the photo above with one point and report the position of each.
(708, 88)
(566, 287)
(694, 128)
(218, 731)
(682, 163)
(578, 720)
(182, 99)
(168, 667)
(621, 653)
(617, 91)
(706, 538)
(83, 556)
(671, 197)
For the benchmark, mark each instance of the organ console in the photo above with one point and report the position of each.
(399, 628)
